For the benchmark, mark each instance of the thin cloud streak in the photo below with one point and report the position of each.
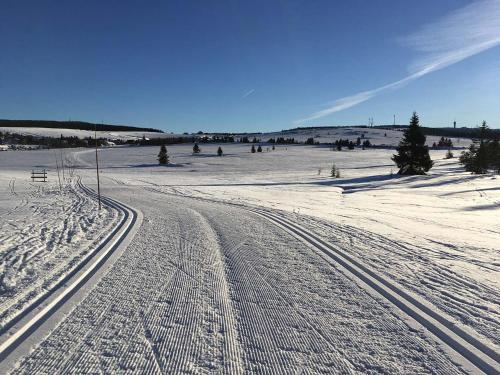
(248, 93)
(461, 34)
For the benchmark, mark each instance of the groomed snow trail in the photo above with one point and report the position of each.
(208, 288)
(480, 353)
(44, 312)
(43, 239)
(472, 304)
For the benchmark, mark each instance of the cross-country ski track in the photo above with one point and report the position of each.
(206, 286)
(34, 319)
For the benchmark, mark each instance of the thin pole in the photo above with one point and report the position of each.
(58, 175)
(97, 167)
(62, 164)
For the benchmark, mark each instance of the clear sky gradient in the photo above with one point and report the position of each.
(250, 65)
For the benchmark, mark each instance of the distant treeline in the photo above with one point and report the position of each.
(158, 141)
(459, 132)
(283, 141)
(48, 142)
(220, 138)
(462, 132)
(75, 125)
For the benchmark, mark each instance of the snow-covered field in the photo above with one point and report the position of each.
(207, 286)
(49, 132)
(376, 136)
(44, 232)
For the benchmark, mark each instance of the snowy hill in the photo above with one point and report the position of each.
(376, 136)
(109, 134)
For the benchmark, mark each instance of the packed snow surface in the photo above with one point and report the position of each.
(226, 292)
(46, 229)
(207, 286)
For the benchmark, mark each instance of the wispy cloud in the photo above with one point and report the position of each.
(460, 34)
(248, 93)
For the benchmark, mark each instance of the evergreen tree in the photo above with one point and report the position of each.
(163, 155)
(259, 149)
(413, 155)
(253, 149)
(196, 149)
(333, 171)
(494, 152)
(477, 158)
(219, 151)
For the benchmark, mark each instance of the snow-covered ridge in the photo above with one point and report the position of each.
(376, 136)
(119, 135)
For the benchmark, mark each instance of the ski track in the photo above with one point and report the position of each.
(43, 238)
(422, 270)
(207, 288)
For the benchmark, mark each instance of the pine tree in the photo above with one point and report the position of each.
(413, 155)
(494, 152)
(483, 156)
(477, 158)
(163, 155)
(253, 149)
(259, 149)
(219, 151)
(196, 149)
(333, 171)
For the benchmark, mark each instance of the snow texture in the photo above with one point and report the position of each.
(208, 287)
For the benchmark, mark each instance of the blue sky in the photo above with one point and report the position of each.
(250, 65)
